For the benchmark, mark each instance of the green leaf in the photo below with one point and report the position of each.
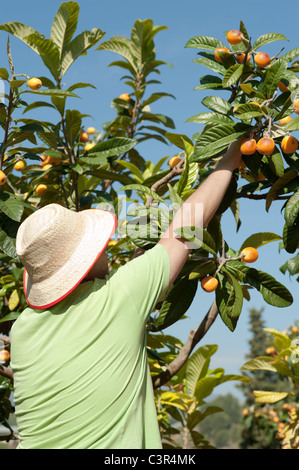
(121, 45)
(257, 240)
(229, 299)
(8, 232)
(292, 209)
(142, 189)
(282, 341)
(197, 238)
(78, 46)
(215, 103)
(197, 366)
(53, 92)
(274, 74)
(211, 64)
(276, 187)
(11, 206)
(293, 125)
(73, 121)
(209, 82)
(269, 397)
(210, 118)
(260, 363)
(290, 237)
(176, 302)
(113, 147)
(20, 31)
(248, 111)
(48, 52)
(175, 199)
(229, 196)
(273, 292)
(203, 269)
(37, 104)
(178, 139)
(232, 75)
(65, 24)
(267, 38)
(4, 73)
(167, 121)
(292, 265)
(17, 83)
(10, 317)
(204, 42)
(215, 140)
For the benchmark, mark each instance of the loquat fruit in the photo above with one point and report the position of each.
(90, 130)
(209, 284)
(84, 137)
(34, 83)
(240, 58)
(88, 146)
(285, 120)
(234, 36)
(112, 242)
(20, 165)
(296, 107)
(41, 189)
(245, 412)
(249, 254)
(4, 355)
(294, 329)
(125, 96)
(220, 49)
(289, 144)
(174, 161)
(2, 177)
(262, 59)
(248, 147)
(265, 146)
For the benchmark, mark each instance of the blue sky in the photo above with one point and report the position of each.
(184, 20)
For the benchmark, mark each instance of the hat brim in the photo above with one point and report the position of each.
(99, 226)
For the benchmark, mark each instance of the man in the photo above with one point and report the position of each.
(78, 352)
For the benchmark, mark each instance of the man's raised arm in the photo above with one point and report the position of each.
(209, 195)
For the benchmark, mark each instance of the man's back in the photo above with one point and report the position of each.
(80, 369)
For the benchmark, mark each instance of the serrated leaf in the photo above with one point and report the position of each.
(65, 24)
(198, 238)
(232, 75)
(248, 111)
(229, 300)
(210, 118)
(11, 206)
(276, 187)
(290, 237)
(293, 125)
(292, 209)
(78, 46)
(204, 42)
(267, 38)
(274, 74)
(197, 366)
(269, 397)
(143, 189)
(259, 239)
(211, 64)
(273, 292)
(47, 50)
(215, 140)
(176, 302)
(113, 147)
(217, 104)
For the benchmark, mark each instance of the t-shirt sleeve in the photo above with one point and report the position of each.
(145, 279)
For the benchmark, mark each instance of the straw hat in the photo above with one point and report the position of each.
(58, 247)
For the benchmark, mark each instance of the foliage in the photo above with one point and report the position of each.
(185, 394)
(285, 361)
(80, 177)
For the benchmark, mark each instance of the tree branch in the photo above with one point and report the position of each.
(194, 337)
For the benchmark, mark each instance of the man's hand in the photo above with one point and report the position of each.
(233, 156)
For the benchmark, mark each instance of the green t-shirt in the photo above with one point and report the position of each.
(81, 372)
